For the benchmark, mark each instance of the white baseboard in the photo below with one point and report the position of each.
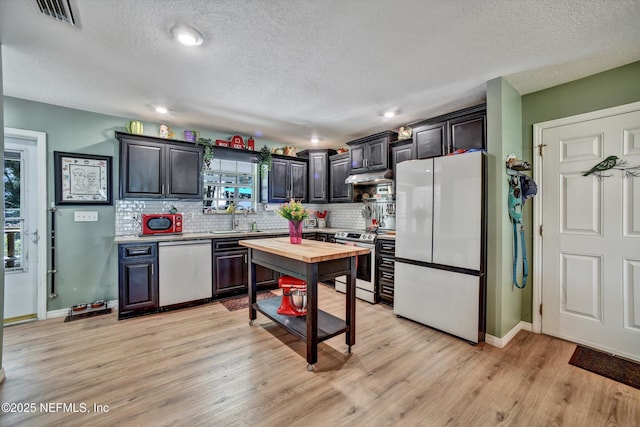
(64, 312)
(502, 342)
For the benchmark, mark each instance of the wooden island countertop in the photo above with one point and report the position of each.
(309, 251)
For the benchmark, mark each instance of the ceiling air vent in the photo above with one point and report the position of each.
(60, 10)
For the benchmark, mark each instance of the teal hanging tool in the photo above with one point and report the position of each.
(521, 187)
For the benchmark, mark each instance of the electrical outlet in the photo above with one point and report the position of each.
(85, 216)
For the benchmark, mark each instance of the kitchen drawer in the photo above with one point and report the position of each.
(226, 245)
(386, 288)
(386, 247)
(387, 275)
(137, 250)
(386, 263)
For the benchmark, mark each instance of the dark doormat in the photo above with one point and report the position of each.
(613, 367)
(238, 303)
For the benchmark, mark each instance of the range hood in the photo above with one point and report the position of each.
(377, 177)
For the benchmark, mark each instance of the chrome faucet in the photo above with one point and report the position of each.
(235, 223)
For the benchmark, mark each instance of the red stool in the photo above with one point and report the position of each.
(287, 283)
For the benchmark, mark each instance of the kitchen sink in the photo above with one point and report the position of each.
(224, 231)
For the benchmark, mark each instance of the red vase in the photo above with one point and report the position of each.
(295, 232)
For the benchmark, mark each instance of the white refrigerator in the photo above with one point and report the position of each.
(441, 243)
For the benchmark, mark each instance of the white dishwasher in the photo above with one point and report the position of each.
(185, 271)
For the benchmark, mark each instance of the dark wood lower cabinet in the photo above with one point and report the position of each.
(230, 270)
(137, 279)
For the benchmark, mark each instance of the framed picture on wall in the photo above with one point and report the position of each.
(82, 179)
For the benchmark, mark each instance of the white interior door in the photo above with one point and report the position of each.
(20, 230)
(590, 274)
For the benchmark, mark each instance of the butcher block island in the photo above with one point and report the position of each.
(311, 261)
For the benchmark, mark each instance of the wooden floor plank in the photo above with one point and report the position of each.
(206, 366)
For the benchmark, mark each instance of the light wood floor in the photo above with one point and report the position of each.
(207, 366)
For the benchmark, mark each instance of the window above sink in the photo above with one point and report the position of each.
(226, 182)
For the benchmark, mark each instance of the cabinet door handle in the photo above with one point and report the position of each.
(152, 269)
(245, 258)
(162, 189)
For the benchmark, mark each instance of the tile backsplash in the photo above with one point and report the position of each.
(341, 215)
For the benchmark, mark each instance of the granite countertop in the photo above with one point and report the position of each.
(216, 235)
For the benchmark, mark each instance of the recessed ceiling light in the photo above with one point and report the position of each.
(162, 110)
(389, 114)
(314, 140)
(188, 36)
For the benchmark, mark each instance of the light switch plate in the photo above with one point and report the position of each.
(85, 216)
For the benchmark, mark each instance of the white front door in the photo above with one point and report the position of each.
(20, 230)
(590, 273)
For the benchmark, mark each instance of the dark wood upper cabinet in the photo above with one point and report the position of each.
(151, 168)
(401, 151)
(287, 179)
(318, 176)
(371, 153)
(339, 171)
(461, 130)
(430, 140)
(183, 183)
(468, 132)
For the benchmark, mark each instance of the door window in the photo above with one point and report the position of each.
(13, 218)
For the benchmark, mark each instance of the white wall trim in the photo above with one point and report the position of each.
(41, 209)
(538, 128)
(64, 312)
(502, 342)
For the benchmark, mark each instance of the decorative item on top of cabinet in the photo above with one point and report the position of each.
(191, 135)
(134, 126)
(404, 132)
(371, 153)
(153, 168)
(165, 132)
(318, 174)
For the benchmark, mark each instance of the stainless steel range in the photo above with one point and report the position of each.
(366, 270)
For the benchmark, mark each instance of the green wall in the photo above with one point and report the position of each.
(86, 257)
(503, 138)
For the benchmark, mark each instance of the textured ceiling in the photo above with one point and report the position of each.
(287, 70)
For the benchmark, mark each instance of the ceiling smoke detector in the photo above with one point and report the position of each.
(60, 10)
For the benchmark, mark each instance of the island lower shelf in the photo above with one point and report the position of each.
(328, 325)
